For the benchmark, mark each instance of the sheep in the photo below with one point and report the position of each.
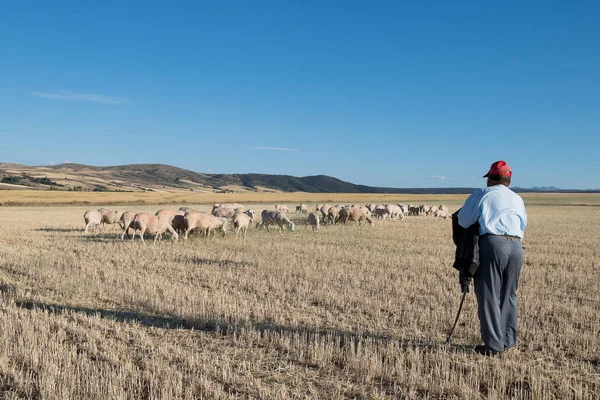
(414, 210)
(126, 221)
(224, 212)
(370, 207)
(441, 214)
(394, 212)
(443, 208)
(424, 210)
(250, 213)
(282, 208)
(404, 208)
(109, 217)
(380, 211)
(357, 215)
(276, 218)
(324, 210)
(92, 219)
(152, 224)
(313, 220)
(241, 222)
(233, 206)
(302, 209)
(333, 215)
(207, 223)
(175, 219)
(186, 209)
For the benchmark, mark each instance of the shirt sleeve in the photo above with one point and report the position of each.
(524, 215)
(469, 213)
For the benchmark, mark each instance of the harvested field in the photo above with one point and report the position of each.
(346, 312)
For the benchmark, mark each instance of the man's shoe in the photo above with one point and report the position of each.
(486, 351)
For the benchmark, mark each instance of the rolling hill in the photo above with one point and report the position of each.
(167, 178)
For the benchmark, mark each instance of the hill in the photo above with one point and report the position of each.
(167, 178)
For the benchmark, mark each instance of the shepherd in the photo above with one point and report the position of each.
(502, 219)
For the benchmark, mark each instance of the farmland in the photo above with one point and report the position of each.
(345, 312)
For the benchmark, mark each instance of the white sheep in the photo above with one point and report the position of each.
(207, 223)
(92, 219)
(276, 218)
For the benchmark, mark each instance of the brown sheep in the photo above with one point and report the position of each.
(175, 219)
(313, 220)
(126, 221)
(153, 225)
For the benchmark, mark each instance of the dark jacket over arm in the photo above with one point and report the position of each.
(466, 259)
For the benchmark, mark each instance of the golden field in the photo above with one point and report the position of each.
(346, 312)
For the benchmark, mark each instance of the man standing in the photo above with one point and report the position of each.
(502, 221)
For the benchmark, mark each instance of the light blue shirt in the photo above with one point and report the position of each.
(499, 211)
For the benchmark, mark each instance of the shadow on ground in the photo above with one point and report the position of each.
(59, 230)
(344, 338)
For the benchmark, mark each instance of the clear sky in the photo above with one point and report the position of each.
(397, 94)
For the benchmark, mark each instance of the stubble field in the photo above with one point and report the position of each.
(345, 312)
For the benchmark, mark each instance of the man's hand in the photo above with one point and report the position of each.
(464, 278)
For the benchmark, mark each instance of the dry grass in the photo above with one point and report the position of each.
(345, 312)
(48, 197)
(37, 197)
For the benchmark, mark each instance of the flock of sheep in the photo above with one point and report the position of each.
(186, 219)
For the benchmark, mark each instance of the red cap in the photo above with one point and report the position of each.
(500, 168)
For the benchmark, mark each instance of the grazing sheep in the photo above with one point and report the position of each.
(241, 222)
(92, 219)
(441, 214)
(153, 225)
(394, 211)
(333, 215)
(443, 208)
(276, 218)
(224, 212)
(126, 222)
(302, 209)
(313, 220)
(324, 211)
(357, 215)
(207, 223)
(380, 211)
(404, 208)
(186, 209)
(109, 217)
(175, 219)
(282, 208)
(414, 210)
(234, 206)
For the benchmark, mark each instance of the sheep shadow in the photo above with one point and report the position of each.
(59, 230)
(266, 329)
(206, 262)
(101, 238)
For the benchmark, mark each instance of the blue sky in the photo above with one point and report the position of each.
(397, 94)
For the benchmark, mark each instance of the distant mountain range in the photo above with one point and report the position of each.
(167, 178)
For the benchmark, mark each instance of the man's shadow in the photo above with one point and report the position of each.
(342, 338)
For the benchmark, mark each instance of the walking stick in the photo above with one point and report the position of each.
(457, 315)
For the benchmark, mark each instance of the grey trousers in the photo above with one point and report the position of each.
(496, 283)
